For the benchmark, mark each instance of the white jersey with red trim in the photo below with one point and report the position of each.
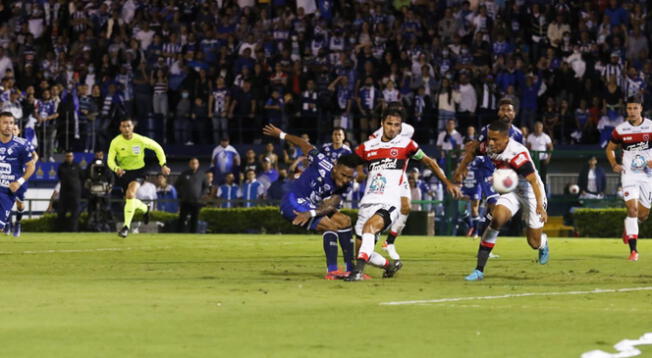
(386, 164)
(517, 157)
(406, 131)
(636, 142)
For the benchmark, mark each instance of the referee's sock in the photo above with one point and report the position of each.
(131, 205)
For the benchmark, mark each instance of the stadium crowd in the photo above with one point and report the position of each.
(196, 71)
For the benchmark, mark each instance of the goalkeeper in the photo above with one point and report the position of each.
(127, 160)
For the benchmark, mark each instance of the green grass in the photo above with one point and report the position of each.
(264, 296)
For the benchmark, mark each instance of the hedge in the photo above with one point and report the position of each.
(261, 219)
(605, 223)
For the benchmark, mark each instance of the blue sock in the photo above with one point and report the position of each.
(483, 224)
(475, 220)
(330, 249)
(346, 243)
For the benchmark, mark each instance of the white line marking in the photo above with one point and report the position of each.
(625, 348)
(527, 294)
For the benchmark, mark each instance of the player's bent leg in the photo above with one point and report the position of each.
(345, 237)
(20, 209)
(131, 205)
(502, 213)
(538, 240)
(634, 213)
(397, 229)
(372, 226)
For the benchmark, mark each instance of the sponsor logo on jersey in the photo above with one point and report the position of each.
(135, 149)
(386, 163)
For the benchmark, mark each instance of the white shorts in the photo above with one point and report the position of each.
(527, 202)
(638, 188)
(368, 210)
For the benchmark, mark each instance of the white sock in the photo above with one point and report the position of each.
(490, 235)
(631, 227)
(378, 260)
(544, 240)
(399, 224)
(367, 245)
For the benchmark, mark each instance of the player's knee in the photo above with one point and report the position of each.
(343, 221)
(405, 210)
(642, 216)
(374, 225)
(632, 212)
(130, 195)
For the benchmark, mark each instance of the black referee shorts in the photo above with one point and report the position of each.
(137, 175)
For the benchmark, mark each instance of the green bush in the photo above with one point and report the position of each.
(48, 222)
(605, 223)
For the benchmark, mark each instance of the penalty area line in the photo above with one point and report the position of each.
(526, 294)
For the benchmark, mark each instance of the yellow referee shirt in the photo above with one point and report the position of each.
(129, 154)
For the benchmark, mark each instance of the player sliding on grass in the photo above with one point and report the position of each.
(313, 200)
(127, 160)
(406, 196)
(633, 136)
(17, 165)
(387, 158)
(529, 196)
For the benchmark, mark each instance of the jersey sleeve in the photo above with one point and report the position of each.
(110, 159)
(412, 148)
(361, 152)
(407, 130)
(616, 137)
(522, 164)
(151, 144)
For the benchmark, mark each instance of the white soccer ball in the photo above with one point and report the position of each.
(505, 180)
(574, 189)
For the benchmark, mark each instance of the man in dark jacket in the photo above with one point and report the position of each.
(191, 186)
(592, 180)
(70, 177)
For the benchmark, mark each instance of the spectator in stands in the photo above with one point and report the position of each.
(70, 177)
(278, 188)
(218, 104)
(250, 162)
(541, 144)
(147, 193)
(182, 122)
(251, 190)
(227, 193)
(192, 186)
(269, 155)
(166, 194)
(225, 160)
(199, 122)
(592, 180)
(447, 99)
(269, 174)
(449, 139)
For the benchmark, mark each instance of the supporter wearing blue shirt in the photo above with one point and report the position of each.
(252, 190)
(166, 195)
(225, 159)
(228, 192)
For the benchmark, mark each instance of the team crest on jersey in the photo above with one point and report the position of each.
(135, 149)
(393, 152)
(10, 151)
(2, 150)
(378, 184)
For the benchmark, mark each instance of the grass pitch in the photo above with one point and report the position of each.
(95, 295)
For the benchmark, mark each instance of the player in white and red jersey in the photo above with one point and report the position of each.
(406, 196)
(529, 196)
(387, 159)
(634, 136)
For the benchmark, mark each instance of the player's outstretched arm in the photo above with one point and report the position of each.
(610, 151)
(160, 154)
(470, 151)
(453, 189)
(533, 179)
(327, 207)
(272, 131)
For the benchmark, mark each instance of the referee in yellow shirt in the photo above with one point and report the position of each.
(127, 160)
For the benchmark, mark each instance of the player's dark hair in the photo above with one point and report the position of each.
(350, 160)
(6, 114)
(394, 109)
(505, 102)
(499, 126)
(125, 119)
(635, 99)
(339, 129)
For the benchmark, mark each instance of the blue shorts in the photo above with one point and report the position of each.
(20, 193)
(488, 191)
(289, 204)
(473, 193)
(6, 203)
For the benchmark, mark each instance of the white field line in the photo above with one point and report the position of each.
(527, 294)
(625, 348)
(81, 250)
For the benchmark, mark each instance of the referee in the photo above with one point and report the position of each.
(127, 160)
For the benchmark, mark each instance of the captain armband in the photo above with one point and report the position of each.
(419, 155)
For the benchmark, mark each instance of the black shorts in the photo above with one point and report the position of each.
(137, 175)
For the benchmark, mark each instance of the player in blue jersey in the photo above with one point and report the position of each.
(313, 200)
(20, 195)
(16, 165)
(506, 113)
(336, 148)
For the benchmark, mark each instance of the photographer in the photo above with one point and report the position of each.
(99, 183)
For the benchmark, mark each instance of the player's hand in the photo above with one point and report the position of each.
(542, 213)
(301, 219)
(272, 131)
(454, 191)
(459, 175)
(119, 172)
(165, 170)
(618, 168)
(14, 186)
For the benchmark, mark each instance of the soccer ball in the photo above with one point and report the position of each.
(574, 189)
(505, 180)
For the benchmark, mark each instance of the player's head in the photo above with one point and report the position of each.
(338, 136)
(391, 122)
(126, 127)
(506, 110)
(498, 136)
(7, 124)
(344, 169)
(634, 109)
